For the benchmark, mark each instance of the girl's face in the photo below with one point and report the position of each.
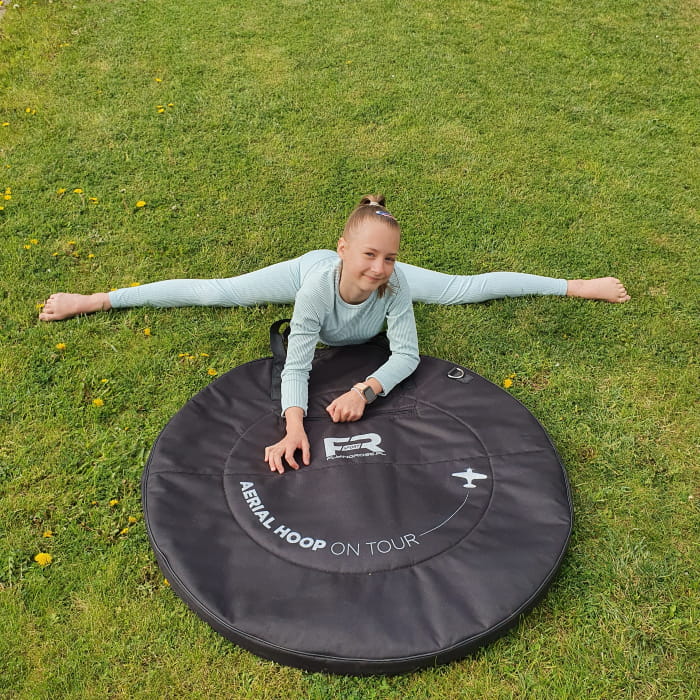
(368, 256)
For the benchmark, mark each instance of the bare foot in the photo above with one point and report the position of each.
(61, 306)
(602, 288)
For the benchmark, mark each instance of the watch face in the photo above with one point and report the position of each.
(369, 394)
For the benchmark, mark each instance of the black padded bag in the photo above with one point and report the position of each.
(415, 536)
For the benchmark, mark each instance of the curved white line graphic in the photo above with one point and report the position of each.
(427, 532)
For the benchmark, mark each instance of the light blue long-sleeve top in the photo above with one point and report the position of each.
(310, 281)
(321, 314)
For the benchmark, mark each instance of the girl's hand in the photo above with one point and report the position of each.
(347, 407)
(286, 448)
(294, 440)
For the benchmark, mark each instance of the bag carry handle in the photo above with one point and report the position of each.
(278, 345)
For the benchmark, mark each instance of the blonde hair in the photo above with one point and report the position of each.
(370, 206)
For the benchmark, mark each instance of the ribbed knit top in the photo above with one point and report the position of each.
(320, 314)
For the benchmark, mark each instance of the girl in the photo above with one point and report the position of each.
(339, 298)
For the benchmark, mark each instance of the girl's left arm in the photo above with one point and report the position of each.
(404, 358)
(403, 340)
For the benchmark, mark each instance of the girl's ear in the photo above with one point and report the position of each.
(342, 244)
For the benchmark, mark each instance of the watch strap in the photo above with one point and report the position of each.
(366, 391)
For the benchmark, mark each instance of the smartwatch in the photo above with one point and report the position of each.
(366, 391)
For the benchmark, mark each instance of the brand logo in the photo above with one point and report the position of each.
(352, 447)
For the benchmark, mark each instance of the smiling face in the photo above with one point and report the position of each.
(368, 254)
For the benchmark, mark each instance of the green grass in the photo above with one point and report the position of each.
(543, 136)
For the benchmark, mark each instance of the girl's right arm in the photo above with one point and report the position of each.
(309, 306)
(295, 378)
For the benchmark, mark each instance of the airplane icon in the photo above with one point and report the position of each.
(470, 475)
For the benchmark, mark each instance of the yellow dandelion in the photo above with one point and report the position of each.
(124, 531)
(34, 241)
(147, 331)
(28, 110)
(166, 582)
(161, 110)
(60, 346)
(134, 284)
(171, 104)
(93, 503)
(113, 502)
(507, 383)
(98, 402)
(78, 190)
(93, 200)
(104, 381)
(181, 354)
(39, 307)
(212, 371)
(158, 80)
(27, 247)
(6, 123)
(71, 242)
(43, 559)
(61, 190)
(54, 254)
(2, 208)
(7, 197)
(140, 204)
(204, 354)
(48, 533)
(91, 255)
(8, 190)
(132, 520)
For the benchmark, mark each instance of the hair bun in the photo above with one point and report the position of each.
(373, 200)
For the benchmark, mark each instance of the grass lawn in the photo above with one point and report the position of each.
(541, 136)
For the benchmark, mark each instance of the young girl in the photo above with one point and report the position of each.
(339, 298)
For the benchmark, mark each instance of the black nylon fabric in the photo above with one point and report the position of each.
(416, 534)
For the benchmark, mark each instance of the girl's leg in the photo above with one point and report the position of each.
(438, 288)
(276, 284)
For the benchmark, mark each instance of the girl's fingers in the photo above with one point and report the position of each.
(289, 456)
(273, 459)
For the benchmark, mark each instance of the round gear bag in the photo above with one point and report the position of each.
(416, 535)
